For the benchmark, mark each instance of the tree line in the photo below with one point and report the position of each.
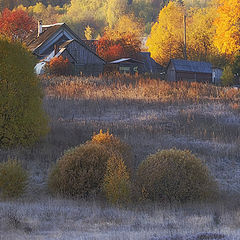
(213, 27)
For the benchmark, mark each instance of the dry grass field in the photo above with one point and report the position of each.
(149, 115)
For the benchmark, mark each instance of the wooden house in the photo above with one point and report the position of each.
(184, 70)
(56, 40)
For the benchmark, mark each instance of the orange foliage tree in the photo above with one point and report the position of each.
(16, 24)
(59, 66)
(111, 49)
(122, 41)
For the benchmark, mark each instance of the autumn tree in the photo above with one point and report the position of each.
(200, 34)
(16, 24)
(49, 14)
(115, 9)
(122, 41)
(166, 37)
(88, 32)
(82, 13)
(22, 119)
(130, 25)
(227, 38)
(59, 66)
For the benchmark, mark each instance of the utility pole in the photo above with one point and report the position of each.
(1, 6)
(185, 35)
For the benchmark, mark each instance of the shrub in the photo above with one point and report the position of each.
(22, 119)
(13, 179)
(227, 76)
(80, 171)
(174, 175)
(59, 66)
(116, 147)
(116, 181)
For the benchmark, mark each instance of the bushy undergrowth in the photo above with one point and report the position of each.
(80, 171)
(174, 175)
(115, 146)
(13, 179)
(117, 181)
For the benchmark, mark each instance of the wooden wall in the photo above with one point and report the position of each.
(86, 62)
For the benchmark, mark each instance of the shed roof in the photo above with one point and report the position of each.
(126, 60)
(191, 66)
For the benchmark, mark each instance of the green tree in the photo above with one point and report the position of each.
(236, 68)
(227, 76)
(22, 119)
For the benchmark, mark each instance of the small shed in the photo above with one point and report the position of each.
(184, 70)
(126, 65)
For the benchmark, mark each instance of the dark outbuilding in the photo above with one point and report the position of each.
(184, 70)
(126, 65)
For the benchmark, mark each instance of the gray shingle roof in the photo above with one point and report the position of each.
(192, 66)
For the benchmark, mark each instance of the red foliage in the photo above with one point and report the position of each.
(59, 66)
(114, 48)
(16, 24)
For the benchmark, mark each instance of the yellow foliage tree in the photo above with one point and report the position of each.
(130, 25)
(116, 181)
(227, 38)
(114, 10)
(88, 32)
(200, 34)
(166, 37)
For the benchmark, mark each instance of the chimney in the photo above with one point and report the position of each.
(39, 27)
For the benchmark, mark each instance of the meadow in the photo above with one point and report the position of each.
(148, 114)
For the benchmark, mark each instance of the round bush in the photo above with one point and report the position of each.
(115, 147)
(174, 175)
(13, 179)
(80, 171)
(116, 181)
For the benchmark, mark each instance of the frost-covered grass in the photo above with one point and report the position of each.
(64, 219)
(147, 118)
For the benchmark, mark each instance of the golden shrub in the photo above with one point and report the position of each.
(174, 175)
(116, 147)
(13, 179)
(116, 181)
(80, 171)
